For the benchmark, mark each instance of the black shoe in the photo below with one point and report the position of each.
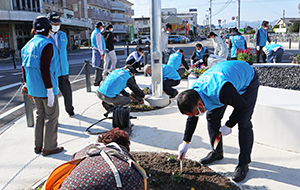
(96, 84)
(71, 115)
(211, 157)
(240, 173)
(174, 94)
(106, 106)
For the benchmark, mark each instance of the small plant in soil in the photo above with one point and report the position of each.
(177, 177)
(170, 158)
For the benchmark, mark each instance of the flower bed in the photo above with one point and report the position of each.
(246, 55)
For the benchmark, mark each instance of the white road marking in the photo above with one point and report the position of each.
(9, 86)
(11, 111)
(17, 73)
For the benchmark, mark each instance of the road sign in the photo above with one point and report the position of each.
(233, 18)
(219, 21)
(242, 30)
(280, 30)
(131, 33)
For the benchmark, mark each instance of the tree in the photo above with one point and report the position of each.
(294, 27)
(276, 26)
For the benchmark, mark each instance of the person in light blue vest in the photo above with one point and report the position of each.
(171, 78)
(233, 83)
(39, 68)
(273, 52)
(199, 56)
(99, 48)
(175, 61)
(114, 85)
(236, 42)
(60, 41)
(261, 38)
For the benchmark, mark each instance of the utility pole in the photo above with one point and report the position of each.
(283, 18)
(210, 12)
(239, 14)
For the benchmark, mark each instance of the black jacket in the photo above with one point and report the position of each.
(109, 39)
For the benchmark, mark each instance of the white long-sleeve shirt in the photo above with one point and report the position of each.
(164, 40)
(99, 43)
(220, 46)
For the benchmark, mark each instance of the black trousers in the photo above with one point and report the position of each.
(66, 90)
(98, 73)
(168, 84)
(244, 125)
(264, 57)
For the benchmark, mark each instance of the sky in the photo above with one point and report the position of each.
(250, 10)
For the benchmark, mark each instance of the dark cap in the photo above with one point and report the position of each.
(54, 17)
(98, 24)
(40, 24)
(180, 50)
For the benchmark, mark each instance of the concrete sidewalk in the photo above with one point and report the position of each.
(157, 131)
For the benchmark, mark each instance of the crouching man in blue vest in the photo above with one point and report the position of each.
(171, 78)
(175, 61)
(273, 52)
(114, 84)
(199, 56)
(233, 83)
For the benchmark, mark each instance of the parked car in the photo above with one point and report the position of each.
(202, 37)
(175, 38)
(186, 39)
(144, 40)
(227, 36)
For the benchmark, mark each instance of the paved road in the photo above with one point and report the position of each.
(10, 79)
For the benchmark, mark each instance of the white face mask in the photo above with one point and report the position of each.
(200, 113)
(111, 29)
(55, 28)
(102, 30)
(199, 51)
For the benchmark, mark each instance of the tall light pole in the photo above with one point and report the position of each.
(210, 12)
(79, 2)
(239, 14)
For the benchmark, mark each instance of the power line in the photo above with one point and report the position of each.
(222, 8)
(267, 8)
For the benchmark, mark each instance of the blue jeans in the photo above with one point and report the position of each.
(277, 55)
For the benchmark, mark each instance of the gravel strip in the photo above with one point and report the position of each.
(279, 77)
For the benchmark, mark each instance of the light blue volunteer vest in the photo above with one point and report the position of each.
(175, 60)
(263, 36)
(200, 56)
(238, 42)
(63, 65)
(94, 41)
(31, 55)
(210, 83)
(271, 47)
(170, 73)
(114, 83)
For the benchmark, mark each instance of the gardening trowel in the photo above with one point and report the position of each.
(217, 140)
(181, 157)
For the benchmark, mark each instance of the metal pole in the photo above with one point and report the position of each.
(127, 50)
(290, 43)
(145, 61)
(13, 55)
(239, 14)
(156, 49)
(87, 75)
(28, 110)
(210, 12)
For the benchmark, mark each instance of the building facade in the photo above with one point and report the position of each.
(116, 12)
(17, 17)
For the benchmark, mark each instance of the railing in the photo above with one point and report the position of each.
(98, 15)
(117, 6)
(100, 3)
(118, 17)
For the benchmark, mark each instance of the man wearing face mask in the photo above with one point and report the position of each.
(110, 52)
(164, 39)
(233, 83)
(261, 38)
(99, 47)
(60, 40)
(199, 55)
(134, 59)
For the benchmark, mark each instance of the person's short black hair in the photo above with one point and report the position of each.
(139, 49)
(98, 24)
(109, 27)
(265, 23)
(212, 34)
(187, 101)
(180, 50)
(199, 45)
(168, 25)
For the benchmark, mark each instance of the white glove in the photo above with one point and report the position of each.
(182, 149)
(50, 97)
(191, 62)
(201, 60)
(197, 62)
(257, 48)
(225, 130)
(189, 71)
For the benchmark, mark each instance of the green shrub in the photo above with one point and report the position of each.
(85, 44)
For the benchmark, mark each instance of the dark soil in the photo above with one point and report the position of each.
(166, 175)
